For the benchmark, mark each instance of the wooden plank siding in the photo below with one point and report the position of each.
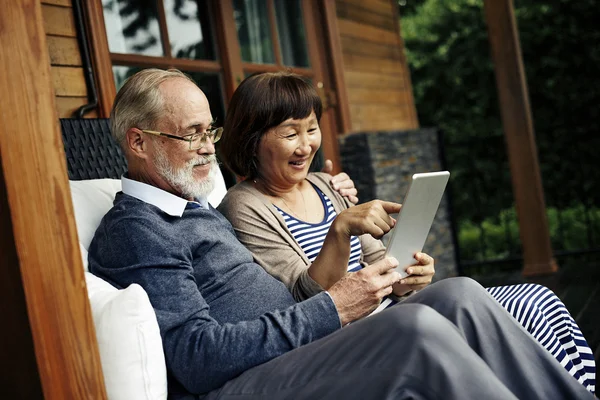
(64, 51)
(375, 69)
(65, 58)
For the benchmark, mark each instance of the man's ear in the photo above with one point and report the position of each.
(137, 142)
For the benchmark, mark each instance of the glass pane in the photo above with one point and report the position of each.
(210, 83)
(132, 27)
(290, 29)
(252, 24)
(121, 73)
(190, 32)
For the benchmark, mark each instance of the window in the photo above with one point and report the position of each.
(165, 34)
(271, 32)
(216, 42)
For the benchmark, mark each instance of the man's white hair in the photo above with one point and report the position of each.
(139, 102)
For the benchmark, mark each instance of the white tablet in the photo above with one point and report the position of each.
(416, 216)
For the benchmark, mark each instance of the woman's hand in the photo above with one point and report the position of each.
(420, 275)
(372, 218)
(332, 262)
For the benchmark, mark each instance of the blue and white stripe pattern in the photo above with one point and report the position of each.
(545, 316)
(310, 236)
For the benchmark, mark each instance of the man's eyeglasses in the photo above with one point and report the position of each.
(196, 140)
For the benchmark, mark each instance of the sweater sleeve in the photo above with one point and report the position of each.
(201, 353)
(272, 246)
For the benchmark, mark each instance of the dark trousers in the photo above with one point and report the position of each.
(451, 340)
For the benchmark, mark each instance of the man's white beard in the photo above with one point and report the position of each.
(183, 179)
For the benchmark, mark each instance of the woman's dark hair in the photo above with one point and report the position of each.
(263, 101)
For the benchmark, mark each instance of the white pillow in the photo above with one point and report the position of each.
(220, 190)
(129, 341)
(91, 200)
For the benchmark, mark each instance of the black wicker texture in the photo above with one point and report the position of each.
(91, 151)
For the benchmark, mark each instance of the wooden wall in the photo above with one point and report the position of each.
(375, 69)
(65, 59)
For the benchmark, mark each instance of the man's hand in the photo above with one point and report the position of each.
(421, 275)
(341, 183)
(372, 218)
(359, 293)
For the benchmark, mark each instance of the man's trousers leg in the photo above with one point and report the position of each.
(406, 352)
(515, 357)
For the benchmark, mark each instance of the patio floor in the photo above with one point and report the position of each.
(577, 284)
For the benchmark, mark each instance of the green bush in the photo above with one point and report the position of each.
(497, 237)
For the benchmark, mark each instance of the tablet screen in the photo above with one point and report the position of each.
(416, 216)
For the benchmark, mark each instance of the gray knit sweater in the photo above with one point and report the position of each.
(219, 312)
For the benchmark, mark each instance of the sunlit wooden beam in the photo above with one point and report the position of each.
(48, 340)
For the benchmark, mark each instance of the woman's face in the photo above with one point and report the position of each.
(286, 151)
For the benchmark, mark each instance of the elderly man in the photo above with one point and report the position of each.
(231, 330)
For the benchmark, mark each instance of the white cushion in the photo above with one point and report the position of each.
(91, 200)
(220, 190)
(129, 341)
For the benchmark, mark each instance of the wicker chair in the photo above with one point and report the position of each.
(90, 149)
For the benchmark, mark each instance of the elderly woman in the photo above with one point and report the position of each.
(305, 234)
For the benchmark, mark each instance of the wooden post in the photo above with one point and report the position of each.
(520, 138)
(336, 63)
(233, 73)
(48, 341)
(316, 27)
(100, 56)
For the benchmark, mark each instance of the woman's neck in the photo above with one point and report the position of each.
(290, 198)
(288, 192)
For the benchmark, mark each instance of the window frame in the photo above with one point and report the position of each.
(335, 119)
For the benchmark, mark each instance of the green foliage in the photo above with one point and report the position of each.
(454, 86)
(571, 228)
(574, 228)
(488, 240)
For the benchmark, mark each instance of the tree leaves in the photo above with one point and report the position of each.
(454, 86)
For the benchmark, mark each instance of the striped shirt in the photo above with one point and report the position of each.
(310, 236)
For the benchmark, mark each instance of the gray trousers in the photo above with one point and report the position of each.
(451, 340)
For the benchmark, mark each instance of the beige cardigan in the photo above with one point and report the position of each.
(263, 231)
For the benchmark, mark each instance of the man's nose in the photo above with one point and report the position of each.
(208, 147)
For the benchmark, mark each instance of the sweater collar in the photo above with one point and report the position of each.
(167, 202)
